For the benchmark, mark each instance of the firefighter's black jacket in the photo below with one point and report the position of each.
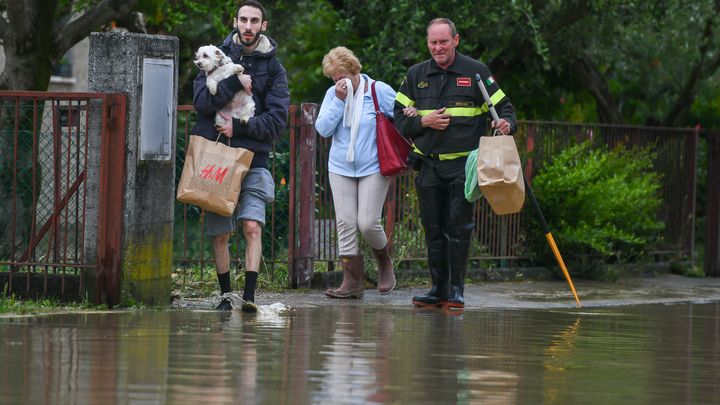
(428, 87)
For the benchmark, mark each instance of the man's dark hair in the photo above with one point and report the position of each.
(447, 21)
(252, 3)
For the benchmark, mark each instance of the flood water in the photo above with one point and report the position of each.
(645, 354)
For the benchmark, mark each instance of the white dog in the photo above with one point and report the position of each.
(217, 66)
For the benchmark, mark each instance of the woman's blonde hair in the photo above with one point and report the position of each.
(340, 59)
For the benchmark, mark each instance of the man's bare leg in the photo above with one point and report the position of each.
(221, 253)
(252, 230)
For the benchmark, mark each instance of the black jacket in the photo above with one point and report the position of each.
(427, 87)
(270, 93)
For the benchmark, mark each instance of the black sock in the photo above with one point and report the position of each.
(224, 280)
(250, 283)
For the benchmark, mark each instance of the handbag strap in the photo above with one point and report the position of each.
(377, 111)
(374, 96)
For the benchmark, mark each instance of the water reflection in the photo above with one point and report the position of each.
(365, 354)
(557, 363)
(355, 361)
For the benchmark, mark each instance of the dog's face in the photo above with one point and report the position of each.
(209, 57)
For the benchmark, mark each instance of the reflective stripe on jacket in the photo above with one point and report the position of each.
(428, 88)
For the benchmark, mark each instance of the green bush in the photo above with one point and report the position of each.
(600, 204)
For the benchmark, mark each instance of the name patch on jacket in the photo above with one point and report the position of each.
(464, 82)
(469, 104)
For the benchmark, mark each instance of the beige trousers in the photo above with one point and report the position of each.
(358, 206)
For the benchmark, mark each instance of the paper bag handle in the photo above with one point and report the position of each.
(218, 139)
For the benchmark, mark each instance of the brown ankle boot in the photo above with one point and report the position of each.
(352, 283)
(386, 274)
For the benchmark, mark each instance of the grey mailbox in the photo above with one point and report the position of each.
(157, 109)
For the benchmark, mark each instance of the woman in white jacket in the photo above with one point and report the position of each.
(347, 114)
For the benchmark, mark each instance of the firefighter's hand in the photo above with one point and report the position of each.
(226, 128)
(503, 126)
(436, 120)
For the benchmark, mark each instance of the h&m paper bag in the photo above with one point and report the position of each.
(500, 174)
(212, 175)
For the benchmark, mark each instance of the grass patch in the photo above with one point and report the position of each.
(194, 282)
(9, 304)
(687, 269)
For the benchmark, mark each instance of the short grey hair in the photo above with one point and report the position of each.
(453, 30)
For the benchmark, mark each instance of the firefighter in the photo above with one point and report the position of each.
(447, 116)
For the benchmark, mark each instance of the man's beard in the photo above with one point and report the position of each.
(251, 42)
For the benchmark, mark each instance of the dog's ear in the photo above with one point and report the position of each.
(219, 55)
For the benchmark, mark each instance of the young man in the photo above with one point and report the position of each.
(248, 46)
(451, 117)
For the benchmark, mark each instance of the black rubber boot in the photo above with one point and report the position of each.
(438, 264)
(433, 199)
(458, 252)
(460, 229)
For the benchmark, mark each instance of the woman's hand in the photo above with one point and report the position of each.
(410, 111)
(341, 90)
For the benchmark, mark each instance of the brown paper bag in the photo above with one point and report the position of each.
(500, 174)
(212, 175)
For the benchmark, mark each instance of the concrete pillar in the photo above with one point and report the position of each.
(145, 68)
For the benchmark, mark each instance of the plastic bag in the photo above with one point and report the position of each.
(472, 188)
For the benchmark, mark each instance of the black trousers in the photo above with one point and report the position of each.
(444, 211)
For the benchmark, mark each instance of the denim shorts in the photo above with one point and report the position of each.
(258, 189)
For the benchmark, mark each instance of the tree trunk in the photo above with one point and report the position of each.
(36, 34)
(699, 72)
(30, 51)
(594, 82)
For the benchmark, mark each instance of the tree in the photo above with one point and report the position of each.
(35, 35)
(578, 60)
(642, 62)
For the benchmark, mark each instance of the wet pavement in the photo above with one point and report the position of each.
(663, 289)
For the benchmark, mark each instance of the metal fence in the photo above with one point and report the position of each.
(46, 233)
(497, 237)
(47, 238)
(303, 216)
(675, 160)
(500, 237)
(710, 196)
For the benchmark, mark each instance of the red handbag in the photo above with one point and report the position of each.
(392, 148)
